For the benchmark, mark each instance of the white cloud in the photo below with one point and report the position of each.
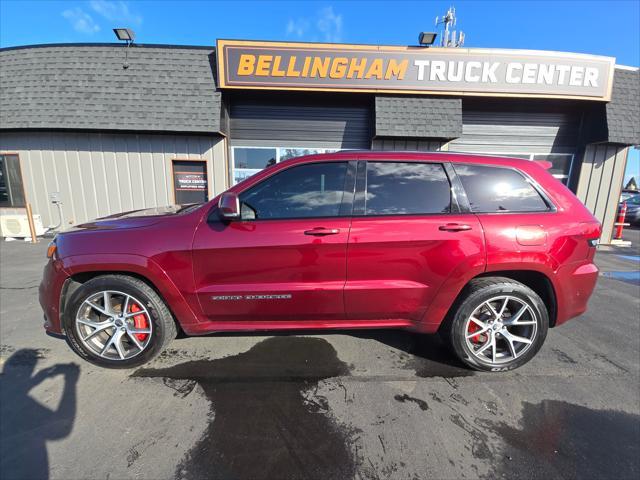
(330, 25)
(326, 26)
(298, 27)
(81, 21)
(116, 11)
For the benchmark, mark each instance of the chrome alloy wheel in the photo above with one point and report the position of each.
(114, 325)
(501, 329)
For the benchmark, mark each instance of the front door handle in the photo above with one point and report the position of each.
(322, 232)
(455, 227)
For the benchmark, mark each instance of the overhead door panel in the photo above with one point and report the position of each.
(519, 130)
(300, 122)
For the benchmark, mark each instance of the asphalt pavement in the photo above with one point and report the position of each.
(357, 404)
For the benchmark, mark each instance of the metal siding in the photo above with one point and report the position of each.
(615, 189)
(596, 177)
(586, 170)
(98, 174)
(600, 183)
(296, 125)
(102, 188)
(518, 131)
(604, 188)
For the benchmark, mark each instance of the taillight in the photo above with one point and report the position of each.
(592, 232)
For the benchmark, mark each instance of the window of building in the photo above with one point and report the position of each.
(496, 189)
(247, 161)
(562, 163)
(305, 191)
(395, 188)
(11, 188)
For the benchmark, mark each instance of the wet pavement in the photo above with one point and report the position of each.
(361, 405)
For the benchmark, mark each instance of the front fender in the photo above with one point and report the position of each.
(140, 266)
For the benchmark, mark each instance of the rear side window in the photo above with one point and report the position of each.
(496, 189)
(395, 188)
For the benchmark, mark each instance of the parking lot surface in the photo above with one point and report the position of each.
(356, 404)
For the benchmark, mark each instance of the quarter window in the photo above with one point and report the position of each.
(313, 190)
(395, 188)
(495, 189)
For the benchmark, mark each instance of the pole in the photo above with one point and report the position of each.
(32, 227)
(620, 223)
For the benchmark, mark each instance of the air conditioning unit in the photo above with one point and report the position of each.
(17, 226)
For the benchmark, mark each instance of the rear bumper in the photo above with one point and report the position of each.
(574, 286)
(53, 280)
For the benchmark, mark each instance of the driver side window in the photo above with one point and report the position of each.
(305, 191)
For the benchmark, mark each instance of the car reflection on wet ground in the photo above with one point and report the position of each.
(362, 404)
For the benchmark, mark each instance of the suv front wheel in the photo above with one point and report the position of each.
(117, 321)
(499, 325)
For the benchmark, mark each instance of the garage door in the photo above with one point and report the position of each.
(267, 129)
(535, 132)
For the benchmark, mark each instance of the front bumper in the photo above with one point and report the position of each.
(53, 280)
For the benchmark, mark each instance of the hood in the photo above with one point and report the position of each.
(134, 218)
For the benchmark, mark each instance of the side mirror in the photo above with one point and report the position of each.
(229, 206)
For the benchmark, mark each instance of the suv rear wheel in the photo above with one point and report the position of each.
(499, 324)
(117, 321)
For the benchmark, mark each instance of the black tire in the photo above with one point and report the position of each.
(475, 294)
(164, 327)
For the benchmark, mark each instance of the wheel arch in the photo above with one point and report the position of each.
(534, 279)
(73, 282)
(84, 268)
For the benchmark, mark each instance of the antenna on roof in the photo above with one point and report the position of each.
(450, 38)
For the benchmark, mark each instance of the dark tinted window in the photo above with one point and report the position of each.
(395, 188)
(495, 189)
(11, 189)
(313, 190)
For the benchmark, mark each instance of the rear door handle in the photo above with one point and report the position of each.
(322, 232)
(455, 227)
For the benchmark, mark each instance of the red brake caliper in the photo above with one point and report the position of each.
(472, 329)
(139, 321)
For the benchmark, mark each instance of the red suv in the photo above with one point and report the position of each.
(489, 252)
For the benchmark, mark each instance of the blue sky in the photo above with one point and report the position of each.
(598, 27)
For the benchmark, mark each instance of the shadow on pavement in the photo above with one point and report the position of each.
(263, 425)
(25, 424)
(428, 355)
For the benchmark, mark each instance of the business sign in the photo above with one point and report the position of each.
(413, 70)
(190, 183)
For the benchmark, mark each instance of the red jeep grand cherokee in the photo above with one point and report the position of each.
(489, 252)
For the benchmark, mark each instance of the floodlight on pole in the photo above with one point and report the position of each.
(427, 39)
(125, 35)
